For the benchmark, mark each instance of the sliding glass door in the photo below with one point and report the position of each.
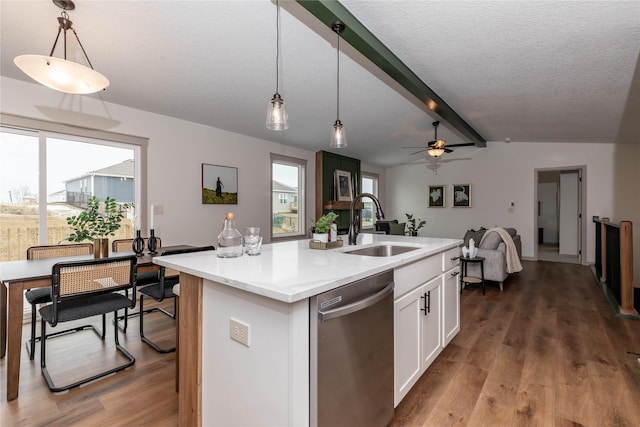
(45, 178)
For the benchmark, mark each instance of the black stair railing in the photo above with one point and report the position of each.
(614, 260)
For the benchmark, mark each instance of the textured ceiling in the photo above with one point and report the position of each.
(530, 71)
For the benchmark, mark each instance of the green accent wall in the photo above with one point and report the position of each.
(326, 164)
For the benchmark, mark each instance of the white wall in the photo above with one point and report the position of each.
(500, 174)
(627, 202)
(176, 151)
(548, 218)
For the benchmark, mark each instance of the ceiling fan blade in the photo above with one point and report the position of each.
(419, 151)
(454, 160)
(468, 144)
(416, 147)
(447, 150)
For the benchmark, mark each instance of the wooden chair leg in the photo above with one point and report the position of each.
(177, 346)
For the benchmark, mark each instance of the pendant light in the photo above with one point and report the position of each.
(277, 118)
(61, 74)
(338, 135)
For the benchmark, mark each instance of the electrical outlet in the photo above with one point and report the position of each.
(239, 331)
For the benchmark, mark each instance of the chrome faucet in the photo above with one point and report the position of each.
(353, 227)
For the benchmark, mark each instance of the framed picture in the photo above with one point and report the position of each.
(436, 196)
(461, 195)
(343, 186)
(219, 185)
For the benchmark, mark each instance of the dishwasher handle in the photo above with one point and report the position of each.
(356, 306)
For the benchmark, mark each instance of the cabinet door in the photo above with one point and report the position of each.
(450, 305)
(407, 329)
(431, 321)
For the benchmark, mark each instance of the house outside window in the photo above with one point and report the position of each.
(369, 184)
(42, 182)
(287, 202)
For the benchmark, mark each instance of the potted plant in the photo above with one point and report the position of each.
(93, 224)
(322, 225)
(413, 224)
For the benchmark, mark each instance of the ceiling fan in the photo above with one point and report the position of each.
(434, 163)
(436, 147)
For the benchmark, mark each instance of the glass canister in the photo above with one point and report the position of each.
(229, 239)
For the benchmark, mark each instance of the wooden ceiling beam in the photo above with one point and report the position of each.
(363, 40)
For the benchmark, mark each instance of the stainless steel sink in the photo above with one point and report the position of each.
(381, 250)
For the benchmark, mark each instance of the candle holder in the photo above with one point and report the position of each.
(152, 243)
(138, 244)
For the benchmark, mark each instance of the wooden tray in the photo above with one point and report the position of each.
(317, 244)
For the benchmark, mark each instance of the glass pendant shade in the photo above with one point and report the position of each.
(61, 74)
(277, 117)
(338, 136)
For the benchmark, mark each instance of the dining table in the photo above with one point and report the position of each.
(21, 275)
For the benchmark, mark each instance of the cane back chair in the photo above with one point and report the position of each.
(43, 295)
(82, 289)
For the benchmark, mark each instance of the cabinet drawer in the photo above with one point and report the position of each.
(451, 258)
(410, 276)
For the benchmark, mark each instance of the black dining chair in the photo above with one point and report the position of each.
(40, 296)
(82, 289)
(162, 290)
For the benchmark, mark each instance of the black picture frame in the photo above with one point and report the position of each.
(436, 196)
(461, 195)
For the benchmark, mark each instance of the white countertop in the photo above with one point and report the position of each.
(290, 271)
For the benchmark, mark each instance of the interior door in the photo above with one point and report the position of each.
(569, 213)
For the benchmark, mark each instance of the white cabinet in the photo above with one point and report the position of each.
(431, 321)
(426, 316)
(418, 334)
(407, 343)
(450, 295)
(450, 305)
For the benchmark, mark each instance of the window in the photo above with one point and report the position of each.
(287, 201)
(46, 177)
(369, 185)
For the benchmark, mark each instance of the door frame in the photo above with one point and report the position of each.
(582, 207)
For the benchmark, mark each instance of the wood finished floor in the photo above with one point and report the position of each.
(547, 351)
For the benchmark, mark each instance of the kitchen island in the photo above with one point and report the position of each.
(244, 323)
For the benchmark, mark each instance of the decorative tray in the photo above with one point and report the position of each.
(317, 244)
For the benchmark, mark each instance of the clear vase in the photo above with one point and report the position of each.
(229, 239)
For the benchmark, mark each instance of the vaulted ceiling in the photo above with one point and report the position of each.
(530, 71)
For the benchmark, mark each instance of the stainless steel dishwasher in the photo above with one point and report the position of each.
(351, 354)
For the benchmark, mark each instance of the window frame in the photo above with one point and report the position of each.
(44, 130)
(375, 178)
(301, 164)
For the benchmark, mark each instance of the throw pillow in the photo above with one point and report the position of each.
(383, 225)
(476, 235)
(397, 229)
(512, 231)
(491, 241)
